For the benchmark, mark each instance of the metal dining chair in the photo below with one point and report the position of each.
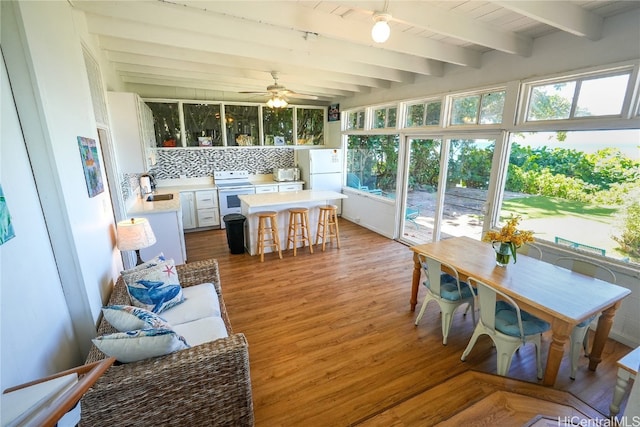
(530, 250)
(506, 325)
(445, 289)
(579, 336)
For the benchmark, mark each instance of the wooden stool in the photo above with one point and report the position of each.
(299, 227)
(627, 369)
(268, 233)
(328, 225)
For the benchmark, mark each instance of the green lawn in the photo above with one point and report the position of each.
(537, 207)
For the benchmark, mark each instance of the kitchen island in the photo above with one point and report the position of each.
(281, 202)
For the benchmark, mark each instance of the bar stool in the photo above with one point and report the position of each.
(268, 234)
(299, 228)
(328, 225)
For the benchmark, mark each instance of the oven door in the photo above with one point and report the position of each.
(229, 201)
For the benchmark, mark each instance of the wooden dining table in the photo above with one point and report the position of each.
(560, 296)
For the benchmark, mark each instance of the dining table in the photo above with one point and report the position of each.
(557, 295)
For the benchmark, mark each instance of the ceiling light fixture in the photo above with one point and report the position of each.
(277, 101)
(381, 31)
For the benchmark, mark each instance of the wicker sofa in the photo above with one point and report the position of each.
(208, 384)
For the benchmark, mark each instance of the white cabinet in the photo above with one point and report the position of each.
(262, 189)
(289, 187)
(207, 210)
(167, 227)
(188, 206)
(133, 134)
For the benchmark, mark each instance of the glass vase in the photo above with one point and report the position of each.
(503, 253)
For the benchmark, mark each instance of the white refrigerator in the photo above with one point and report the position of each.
(321, 169)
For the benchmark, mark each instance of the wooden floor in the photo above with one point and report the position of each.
(332, 340)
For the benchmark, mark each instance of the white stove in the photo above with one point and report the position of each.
(231, 184)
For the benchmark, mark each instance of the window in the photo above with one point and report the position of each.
(384, 117)
(423, 114)
(166, 122)
(242, 125)
(484, 109)
(372, 162)
(310, 126)
(580, 189)
(202, 125)
(355, 120)
(278, 126)
(591, 96)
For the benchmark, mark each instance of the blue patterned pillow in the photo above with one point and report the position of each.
(155, 288)
(128, 318)
(151, 263)
(141, 344)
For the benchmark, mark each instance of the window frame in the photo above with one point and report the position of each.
(481, 92)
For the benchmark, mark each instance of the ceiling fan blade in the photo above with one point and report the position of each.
(300, 95)
(254, 92)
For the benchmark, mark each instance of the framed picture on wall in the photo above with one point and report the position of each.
(334, 113)
(6, 226)
(91, 165)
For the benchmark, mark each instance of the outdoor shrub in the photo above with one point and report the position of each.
(629, 239)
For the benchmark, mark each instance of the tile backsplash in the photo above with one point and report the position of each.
(198, 162)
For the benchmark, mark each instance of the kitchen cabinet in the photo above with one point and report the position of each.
(207, 211)
(133, 134)
(289, 187)
(262, 189)
(167, 227)
(188, 206)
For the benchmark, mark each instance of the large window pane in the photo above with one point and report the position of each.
(581, 189)
(310, 126)
(278, 126)
(491, 108)
(166, 123)
(202, 125)
(465, 110)
(372, 163)
(242, 125)
(602, 97)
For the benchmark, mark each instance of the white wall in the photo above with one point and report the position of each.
(41, 42)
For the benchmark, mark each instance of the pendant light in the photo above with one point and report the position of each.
(380, 32)
(277, 102)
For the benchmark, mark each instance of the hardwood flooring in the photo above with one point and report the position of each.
(332, 340)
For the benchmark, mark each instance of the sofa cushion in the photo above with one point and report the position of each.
(202, 330)
(128, 318)
(200, 301)
(156, 288)
(140, 344)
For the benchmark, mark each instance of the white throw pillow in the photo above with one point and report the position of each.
(155, 288)
(141, 344)
(128, 318)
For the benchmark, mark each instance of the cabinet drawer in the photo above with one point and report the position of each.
(261, 189)
(289, 187)
(206, 199)
(208, 217)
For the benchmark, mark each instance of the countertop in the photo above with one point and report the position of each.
(141, 206)
(290, 197)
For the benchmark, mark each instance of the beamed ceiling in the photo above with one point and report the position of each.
(216, 49)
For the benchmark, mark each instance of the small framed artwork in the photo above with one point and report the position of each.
(278, 140)
(6, 226)
(334, 113)
(91, 165)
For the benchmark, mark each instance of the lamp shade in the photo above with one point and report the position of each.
(134, 234)
(380, 32)
(276, 102)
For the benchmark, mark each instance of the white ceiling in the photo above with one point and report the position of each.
(215, 49)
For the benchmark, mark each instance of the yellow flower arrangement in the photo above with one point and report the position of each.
(509, 237)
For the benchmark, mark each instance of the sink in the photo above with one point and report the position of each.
(159, 197)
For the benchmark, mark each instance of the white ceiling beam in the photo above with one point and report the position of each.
(190, 40)
(559, 14)
(114, 45)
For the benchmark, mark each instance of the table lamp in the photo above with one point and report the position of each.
(135, 234)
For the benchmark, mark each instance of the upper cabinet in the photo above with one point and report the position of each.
(217, 124)
(133, 132)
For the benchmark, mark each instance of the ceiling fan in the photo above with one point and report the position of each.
(276, 90)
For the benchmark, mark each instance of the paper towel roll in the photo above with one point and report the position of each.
(145, 185)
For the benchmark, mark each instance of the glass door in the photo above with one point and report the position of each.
(446, 188)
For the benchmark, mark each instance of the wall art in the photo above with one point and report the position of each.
(91, 165)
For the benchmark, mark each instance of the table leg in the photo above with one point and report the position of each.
(560, 336)
(621, 386)
(415, 281)
(602, 333)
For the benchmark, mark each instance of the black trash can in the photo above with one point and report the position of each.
(235, 232)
